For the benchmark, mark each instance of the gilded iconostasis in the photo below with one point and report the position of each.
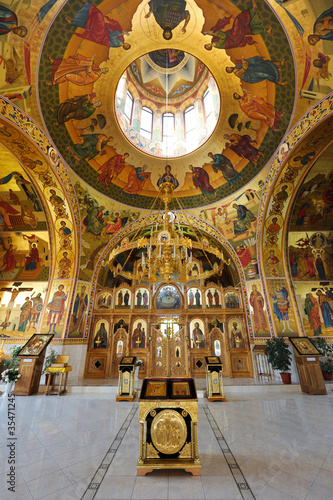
(232, 105)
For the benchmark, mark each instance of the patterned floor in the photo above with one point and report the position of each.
(264, 445)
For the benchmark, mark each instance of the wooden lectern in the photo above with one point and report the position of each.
(32, 357)
(308, 367)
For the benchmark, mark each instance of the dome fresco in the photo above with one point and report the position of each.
(255, 82)
(171, 82)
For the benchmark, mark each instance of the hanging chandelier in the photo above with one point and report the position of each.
(168, 246)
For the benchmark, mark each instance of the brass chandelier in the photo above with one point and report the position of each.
(167, 250)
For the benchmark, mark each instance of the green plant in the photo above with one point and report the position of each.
(14, 361)
(50, 359)
(326, 350)
(327, 366)
(10, 375)
(278, 354)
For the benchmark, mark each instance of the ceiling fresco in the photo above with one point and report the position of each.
(81, 70)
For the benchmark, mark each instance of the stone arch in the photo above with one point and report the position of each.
(301, 148)
(27, 143)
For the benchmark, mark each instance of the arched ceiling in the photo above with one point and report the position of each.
(70, 54)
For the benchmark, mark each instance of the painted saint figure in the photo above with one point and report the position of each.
(126, 298)
(89, 146)
(76, 108)
(139, 298)
(256, 70)
(138, 337)
(169, 14)
(242, 145)
(257, 108)
(101, 337)
(112, 168)
(323, 28)
(197, 298)
(244, 218)
(236, 335)
(210, 298)
(97, 28)
(9, 261)
(312, 310)
(9, 23)
(25, 314)
(217, 298)
(168, 177)
(247, 23)
(223, 164)
(36, 309)
(198, 336)
(326, 309)
(56, 308)
(33, 259)
(78, 70)
(136, 181)
(190, 298)
(258, 304)
(281, 306)
(80, 306)
(201, 179)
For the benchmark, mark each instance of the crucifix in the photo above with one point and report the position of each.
(14, 291)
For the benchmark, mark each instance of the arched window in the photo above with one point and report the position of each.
(120, 346)
(146, 127)
(208, 103)
(190, 123)
(217, 348)
(128, 106)
(168, 126)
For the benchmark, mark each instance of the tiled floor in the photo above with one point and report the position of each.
(279, 445)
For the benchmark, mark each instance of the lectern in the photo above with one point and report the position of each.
(126, 380)
(308, 367)
(32, 357)
(168, 417)
(214, 380)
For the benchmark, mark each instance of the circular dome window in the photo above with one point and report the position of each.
(167, 103)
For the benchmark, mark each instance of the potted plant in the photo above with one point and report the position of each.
(49, 360)
(14, 361)
(10, 375)
(279, 357)
(326, 360)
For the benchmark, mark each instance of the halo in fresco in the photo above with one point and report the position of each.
(78, 76)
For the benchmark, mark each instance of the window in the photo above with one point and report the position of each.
(208, 103)
(146, 123)
(120, 345)
(168, 125)
(190, 123)
(128, 106)
(217, 348)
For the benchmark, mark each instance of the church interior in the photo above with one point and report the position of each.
(166, 197)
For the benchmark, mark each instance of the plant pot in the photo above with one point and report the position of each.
(9, 388)
(328, 376)
(286, 378)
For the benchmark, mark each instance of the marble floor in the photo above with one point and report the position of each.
(263, 444)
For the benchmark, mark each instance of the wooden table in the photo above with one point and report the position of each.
(63, 380)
